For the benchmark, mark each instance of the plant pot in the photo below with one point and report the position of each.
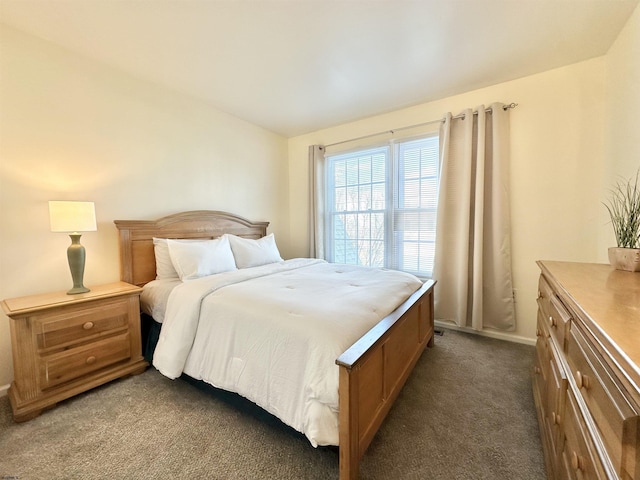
(627, 259)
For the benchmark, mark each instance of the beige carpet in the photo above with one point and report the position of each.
(466, 413)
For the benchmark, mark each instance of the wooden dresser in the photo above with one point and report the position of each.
(66, 344)
(586, 373)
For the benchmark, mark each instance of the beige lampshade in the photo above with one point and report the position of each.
(72, 216)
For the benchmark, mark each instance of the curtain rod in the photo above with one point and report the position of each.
(505, 107)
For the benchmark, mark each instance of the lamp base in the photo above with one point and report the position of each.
(76, 255)
(76, 290)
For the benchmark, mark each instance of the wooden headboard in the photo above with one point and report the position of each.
(137, 257)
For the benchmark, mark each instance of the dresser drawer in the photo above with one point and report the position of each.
(541, 365)
(558, 318)
(545, 292)
(542, 342)
(542, 326)
(617, 420)
(556, 395)
(578, 459)
(78, 324)
(540, 375)
(555, 315)
(67, 365)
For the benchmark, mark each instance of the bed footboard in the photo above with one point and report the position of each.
(374, 370)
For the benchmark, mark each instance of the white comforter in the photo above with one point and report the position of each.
(273, 333)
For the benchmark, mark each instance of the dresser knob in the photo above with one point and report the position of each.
(536, 370)
(90, 360)
(88, 326)
(552, 322)
(577, 462)
(582, 380)
(555, 418)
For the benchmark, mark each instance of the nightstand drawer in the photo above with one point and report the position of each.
(74, 325)
(68, 365)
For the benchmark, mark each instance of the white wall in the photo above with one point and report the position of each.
(73, 129)
(557, 162)
(622, 155)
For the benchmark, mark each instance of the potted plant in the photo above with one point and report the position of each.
(624, 211)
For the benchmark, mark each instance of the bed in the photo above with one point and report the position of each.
(371, 370)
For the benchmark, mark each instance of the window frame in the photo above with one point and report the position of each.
(393, 243)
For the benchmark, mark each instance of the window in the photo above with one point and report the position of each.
(381, 206)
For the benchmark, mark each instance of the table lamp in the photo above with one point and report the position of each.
(74, 217)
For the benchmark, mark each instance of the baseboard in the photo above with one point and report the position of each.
(487, 333)
(4, 389)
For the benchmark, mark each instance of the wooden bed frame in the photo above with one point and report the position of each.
(372, 371)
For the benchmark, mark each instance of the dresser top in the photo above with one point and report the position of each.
(609, 303)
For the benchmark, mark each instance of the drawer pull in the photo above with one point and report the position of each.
(552, 322)
(582, 380)
(90, 360)
(88, 326)
(555, 418)
(577, 462)
(536, 370)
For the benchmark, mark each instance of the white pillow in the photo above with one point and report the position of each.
(199, 259)
(164, 266)
(253, 253)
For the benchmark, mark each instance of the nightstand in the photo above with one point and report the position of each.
(66, 344)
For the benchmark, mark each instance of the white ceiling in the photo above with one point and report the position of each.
(295, 66)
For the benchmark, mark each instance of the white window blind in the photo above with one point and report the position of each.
(381, 206)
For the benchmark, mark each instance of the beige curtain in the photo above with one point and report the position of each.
(473, 245)
(317, 192)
